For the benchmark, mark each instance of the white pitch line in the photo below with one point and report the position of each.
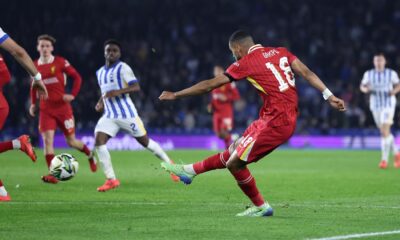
(358, 235)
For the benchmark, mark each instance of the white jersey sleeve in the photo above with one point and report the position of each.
(3, 36)
(127, 75)
(365, 80)
(395, 77)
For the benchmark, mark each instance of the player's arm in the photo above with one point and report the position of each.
(364, 86)
(134, 87)
(302, 70)
(32, 108)
(77, 82)
(395, 90)
(100, 105)
(396, 84)
(26, 62)
(197, 89)
(235, 95)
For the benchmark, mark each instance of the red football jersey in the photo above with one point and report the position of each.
(222, 98)
(268, 70)
(54, 75)
(5, 76)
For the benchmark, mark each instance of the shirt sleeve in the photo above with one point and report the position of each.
(365, 79)
(127, 75)
(395, 78)
(3, 36)
(72, 73)
(291, 57)
(237, 71)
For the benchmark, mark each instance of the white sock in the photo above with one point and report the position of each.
(16, 144)
(189, 169)
(3, 191)
(385, 147)
(395, 150)
(105, 161)
(155, 148)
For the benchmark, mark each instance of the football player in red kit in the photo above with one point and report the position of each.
(222, 99)
(23, 142)
(270, 71)
(56, 111)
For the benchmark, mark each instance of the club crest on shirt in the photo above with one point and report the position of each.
(53, 69)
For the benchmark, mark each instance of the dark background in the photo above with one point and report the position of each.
(172, 44)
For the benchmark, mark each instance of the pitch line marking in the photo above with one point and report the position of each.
(357, 235)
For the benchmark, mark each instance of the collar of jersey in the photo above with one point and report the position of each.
(40, 62)
(113, 65)
(254, 47)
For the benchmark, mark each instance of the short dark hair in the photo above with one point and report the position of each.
(239, 36)
(112, 41)
(47, 37)
(379, 54)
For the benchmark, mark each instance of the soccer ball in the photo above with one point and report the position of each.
(64, 166)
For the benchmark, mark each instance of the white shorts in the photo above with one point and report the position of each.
(111, 126)
(384, 116)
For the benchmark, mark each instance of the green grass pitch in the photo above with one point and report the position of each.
(314, 194)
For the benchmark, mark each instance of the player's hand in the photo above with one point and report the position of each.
(165, 96)
(68, 98)
(99, 106)
(32, 110)
(393, 93)
(40, 88)
(337, 103)
(110, 94)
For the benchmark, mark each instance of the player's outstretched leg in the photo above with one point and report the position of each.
(75, 143)
(22, 143)
(186, 173)
(4, 196)
(106, 165)
(156, 149)
(247, 183)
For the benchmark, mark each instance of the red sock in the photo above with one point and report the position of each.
(228, 141)
(5, 146)
(1, 183)
(216, 161)
(85, 150)
(49, 157)
(247, 183)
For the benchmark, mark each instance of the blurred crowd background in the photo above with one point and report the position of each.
(171, 44)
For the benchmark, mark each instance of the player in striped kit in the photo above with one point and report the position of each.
(383, 84)
(116, 80)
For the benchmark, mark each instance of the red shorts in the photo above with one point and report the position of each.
(222, 122)
(4, 110)
(50, 120)
(260, 139)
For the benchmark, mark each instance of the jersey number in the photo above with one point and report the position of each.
(285, 67)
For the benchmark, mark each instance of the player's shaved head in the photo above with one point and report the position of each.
(240, 37)
(239, 43)
(112, 41)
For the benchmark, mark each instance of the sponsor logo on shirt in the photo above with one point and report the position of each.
(51, 80)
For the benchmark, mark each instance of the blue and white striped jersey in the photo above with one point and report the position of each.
(116, 77)
(3, 36)
(381, 84)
